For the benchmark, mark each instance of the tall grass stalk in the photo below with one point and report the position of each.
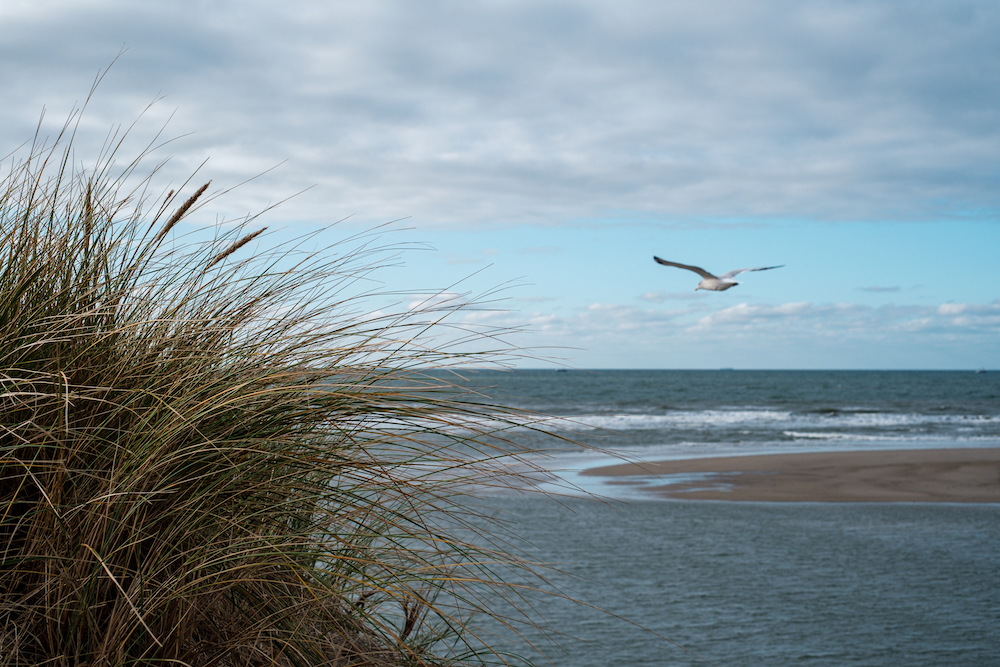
(211, 455)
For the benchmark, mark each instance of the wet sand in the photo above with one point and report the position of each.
(916, 475)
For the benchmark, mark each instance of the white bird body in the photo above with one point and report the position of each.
(712, 282)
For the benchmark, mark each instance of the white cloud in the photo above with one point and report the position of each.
(839, 319)
(744, 314)
(814, 335)
(972, 316)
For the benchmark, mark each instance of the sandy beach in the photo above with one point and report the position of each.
(916, 475)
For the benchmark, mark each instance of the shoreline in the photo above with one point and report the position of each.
(966, 475)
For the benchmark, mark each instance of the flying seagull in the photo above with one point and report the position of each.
(710, 282)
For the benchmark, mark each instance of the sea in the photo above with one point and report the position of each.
(641, 580)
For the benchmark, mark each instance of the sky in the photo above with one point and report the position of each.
(542, 152)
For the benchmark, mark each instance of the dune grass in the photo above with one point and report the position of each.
(211, 455)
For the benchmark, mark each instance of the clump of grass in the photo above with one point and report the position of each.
(209, 460)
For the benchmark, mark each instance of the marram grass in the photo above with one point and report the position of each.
(207, 457)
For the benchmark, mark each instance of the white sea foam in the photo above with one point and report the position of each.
(760, 418)
(801, 435)
(688, 419)
(878, 419)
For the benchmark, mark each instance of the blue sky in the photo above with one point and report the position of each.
(555, 147)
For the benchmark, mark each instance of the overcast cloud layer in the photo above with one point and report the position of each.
(546, 111)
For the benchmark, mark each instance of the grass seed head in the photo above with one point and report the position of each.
(234, 247)
(180, 213)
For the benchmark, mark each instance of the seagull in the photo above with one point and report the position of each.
(714, 283)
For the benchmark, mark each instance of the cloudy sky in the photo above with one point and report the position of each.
(555, 147)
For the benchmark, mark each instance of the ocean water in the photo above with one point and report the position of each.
(657, 415)
(741, 584)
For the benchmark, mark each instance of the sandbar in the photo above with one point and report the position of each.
(910, 475)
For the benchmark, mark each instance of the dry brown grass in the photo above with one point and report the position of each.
(221, 463)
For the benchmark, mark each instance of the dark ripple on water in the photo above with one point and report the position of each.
(748, 584)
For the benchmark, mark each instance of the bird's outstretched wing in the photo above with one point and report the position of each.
(736, 272)
(697, 269)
